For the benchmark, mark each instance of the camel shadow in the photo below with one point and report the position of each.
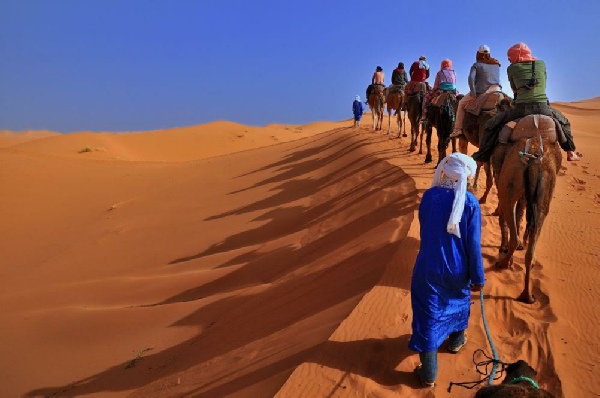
(375, 359)
(235, 322)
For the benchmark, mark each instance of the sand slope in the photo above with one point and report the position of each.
(210, 270)
(10, 138)
(217, 260)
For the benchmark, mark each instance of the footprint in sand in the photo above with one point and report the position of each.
(577, 184)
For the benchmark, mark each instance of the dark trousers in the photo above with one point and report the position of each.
(494, 125)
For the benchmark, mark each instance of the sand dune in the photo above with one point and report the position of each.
(10, 138)
(230, 260)
(173, 145)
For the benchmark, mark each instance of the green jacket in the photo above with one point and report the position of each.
(519, 74)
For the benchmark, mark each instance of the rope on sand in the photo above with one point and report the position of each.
(490, 340)
(482, 366)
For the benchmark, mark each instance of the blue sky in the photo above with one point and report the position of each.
(129, 65)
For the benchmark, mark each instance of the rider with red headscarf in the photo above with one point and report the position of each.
(527, 77)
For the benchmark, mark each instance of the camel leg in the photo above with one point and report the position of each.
(453, 145)
(527, 296)
(476, 179)
(399, 121)
(428, 130)
(496, 164)
(463, 145)
(374, 117)
(414, 135)
(404, 124)
(488, 180)
(389, 121)
(441, 147)
(508, 212)
(503, 261)
(521, 206)
(510, 190)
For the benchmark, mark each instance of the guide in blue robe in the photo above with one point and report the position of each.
(446, 267)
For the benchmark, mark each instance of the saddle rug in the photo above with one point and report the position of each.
(530, 126)
(395, 88)
(440, 99)
(413, 88)
(485, 102)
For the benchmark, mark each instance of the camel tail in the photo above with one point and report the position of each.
(533, 193)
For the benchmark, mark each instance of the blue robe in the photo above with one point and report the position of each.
(357, 109)
(446, 266)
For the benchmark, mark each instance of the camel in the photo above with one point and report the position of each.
(414, 107)
(473, 127)
(442, 118)
(394, 102)
(519, 382)
(528, 162)
(376, 103)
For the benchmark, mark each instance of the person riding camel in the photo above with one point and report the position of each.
(376, 80)
(527, 77)
(419, 70)
(399, 76)
(445, 80)
(419, 73)
(484, 77)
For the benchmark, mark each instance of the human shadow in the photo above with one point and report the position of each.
(298, 188)
(268, 267)
(309, 164)
(291, 219)
(304, 153)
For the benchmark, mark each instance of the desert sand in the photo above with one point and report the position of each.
(231, 260)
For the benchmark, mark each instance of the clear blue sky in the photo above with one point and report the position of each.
(125, 65)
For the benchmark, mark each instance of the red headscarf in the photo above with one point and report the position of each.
(446, 64)
(520, 53)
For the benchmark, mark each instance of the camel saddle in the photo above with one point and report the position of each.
(413, 88)
(485, 102)
(530, 126)
(441, 98)
(395, 88)
(378, 89)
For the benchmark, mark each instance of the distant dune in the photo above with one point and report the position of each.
(230, 260)
(10, 138)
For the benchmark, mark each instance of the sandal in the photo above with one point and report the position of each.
(425, 384)
(455, 350)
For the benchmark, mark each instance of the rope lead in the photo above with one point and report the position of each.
(482, 367)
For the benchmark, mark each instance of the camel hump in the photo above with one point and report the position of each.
(532, 125)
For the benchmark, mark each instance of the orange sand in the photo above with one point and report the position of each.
(229, 260)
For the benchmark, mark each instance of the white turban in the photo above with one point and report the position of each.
(357, 98)
(456, 167)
